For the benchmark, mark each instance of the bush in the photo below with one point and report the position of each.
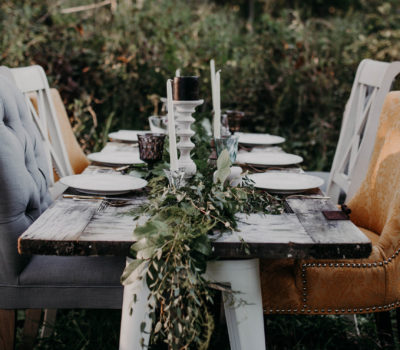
(291, 74)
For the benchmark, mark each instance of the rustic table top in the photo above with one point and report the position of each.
(88, 227)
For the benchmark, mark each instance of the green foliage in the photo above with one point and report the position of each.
(291, 73)
(99, 330)
(173, 246)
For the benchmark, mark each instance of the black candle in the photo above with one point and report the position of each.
(186, 88)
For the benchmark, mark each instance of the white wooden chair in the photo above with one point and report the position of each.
(372, 82)
(32, 81)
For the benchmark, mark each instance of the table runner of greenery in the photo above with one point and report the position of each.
(174, 245)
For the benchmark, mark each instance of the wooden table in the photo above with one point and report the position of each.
(88, 227)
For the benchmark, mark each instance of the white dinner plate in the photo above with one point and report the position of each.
(103, 184)
(126, 135)
(116, 158)
(263, 159)
(285, 183)
(250, 139)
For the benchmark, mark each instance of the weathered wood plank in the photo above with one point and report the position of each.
(333, 238)
(260, 235)
(66, 228)
(110, 232)
(261, 228)
(65, 219)
(305, 205)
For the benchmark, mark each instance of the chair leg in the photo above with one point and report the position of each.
(7, 329)
(49, 320)
(384, 329)
(31, 327)
(353, 318)
(398, 323)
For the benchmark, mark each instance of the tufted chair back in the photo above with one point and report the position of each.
(376, 206)
(24, 176)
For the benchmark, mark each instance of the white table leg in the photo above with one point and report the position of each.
(131, 337)
(245, 316)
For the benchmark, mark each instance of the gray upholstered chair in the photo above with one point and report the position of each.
(38, 281)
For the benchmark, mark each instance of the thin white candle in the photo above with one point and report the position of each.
(178, 73)
(212, 70)
(217, 110)
(173, 153)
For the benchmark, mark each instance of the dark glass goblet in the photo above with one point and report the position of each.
(151, 147)
(234, 119)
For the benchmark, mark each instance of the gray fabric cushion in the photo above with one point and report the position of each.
(65, 297)
(73, 271)
(24, 176)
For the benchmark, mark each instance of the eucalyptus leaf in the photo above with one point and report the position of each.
(223, 166)
(202, 245)
(128, 275)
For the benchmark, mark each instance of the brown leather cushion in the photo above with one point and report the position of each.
(374, 237)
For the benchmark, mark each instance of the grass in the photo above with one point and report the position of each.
(99, 329)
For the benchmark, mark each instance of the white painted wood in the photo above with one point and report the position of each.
(131, 337)
(360, 122)
(367, 146)
(243, 310)
(184, 120)
(32, 80)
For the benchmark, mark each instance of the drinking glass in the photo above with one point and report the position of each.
(229, 143)
(235, 119)
(151, 147)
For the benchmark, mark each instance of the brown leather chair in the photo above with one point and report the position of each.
(358, 286)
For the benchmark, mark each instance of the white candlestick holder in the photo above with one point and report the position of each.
(184, 120)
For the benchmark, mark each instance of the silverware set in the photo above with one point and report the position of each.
(106, 201)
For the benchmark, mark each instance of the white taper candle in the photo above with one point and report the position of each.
(217, 107)
(212, 70)
(173, 153)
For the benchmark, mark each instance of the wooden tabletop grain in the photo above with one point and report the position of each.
(89, 227)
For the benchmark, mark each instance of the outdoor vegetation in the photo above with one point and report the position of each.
(290, 69)
(288, 64)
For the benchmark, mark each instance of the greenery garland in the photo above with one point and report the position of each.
(174, 245)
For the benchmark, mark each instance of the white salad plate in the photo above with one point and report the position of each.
(103, 184)
(285, 183)
(249, 139)
(264, 159)
(116, 158)
(126, 135)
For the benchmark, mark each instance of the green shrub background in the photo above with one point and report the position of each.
(290, 69)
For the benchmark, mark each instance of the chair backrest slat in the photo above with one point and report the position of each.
(32, 80)
(360, 121)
